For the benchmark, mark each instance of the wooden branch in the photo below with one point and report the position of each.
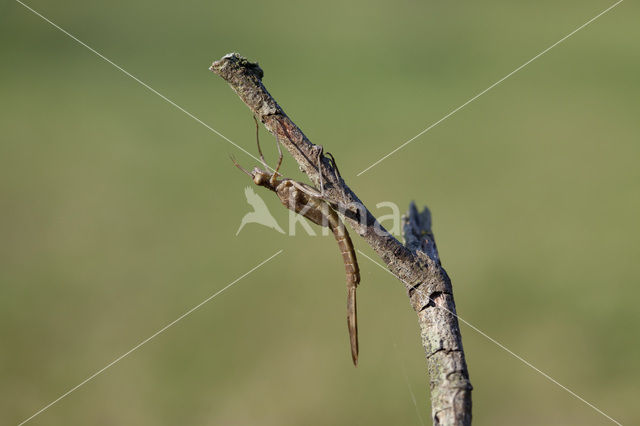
(417, 264)
(439, 329)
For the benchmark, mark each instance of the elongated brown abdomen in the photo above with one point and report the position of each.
(319, 212)
(353, 278)
(346, 249)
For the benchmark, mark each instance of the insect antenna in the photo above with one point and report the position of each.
(239, 166)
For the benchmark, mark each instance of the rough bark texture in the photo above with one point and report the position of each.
(441, 338)
(416, 264)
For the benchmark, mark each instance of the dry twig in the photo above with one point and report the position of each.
(416, 264)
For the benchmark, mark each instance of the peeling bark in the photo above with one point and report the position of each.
(416, 264)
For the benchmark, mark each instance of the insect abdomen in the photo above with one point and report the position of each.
(347, 250)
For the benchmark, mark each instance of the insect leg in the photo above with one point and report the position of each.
(335, 166)
(275, 173)
(314, 193)
(264, 163)
(309, 190)
(320, 169)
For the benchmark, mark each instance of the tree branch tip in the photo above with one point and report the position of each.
(236, 61)
(420, 218)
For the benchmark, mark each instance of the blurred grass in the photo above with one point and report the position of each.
(119, 212)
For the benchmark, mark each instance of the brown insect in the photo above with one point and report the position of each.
(307, 201)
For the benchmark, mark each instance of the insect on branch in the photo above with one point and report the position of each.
(416, 264)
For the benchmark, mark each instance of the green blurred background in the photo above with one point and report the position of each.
(119, 212)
